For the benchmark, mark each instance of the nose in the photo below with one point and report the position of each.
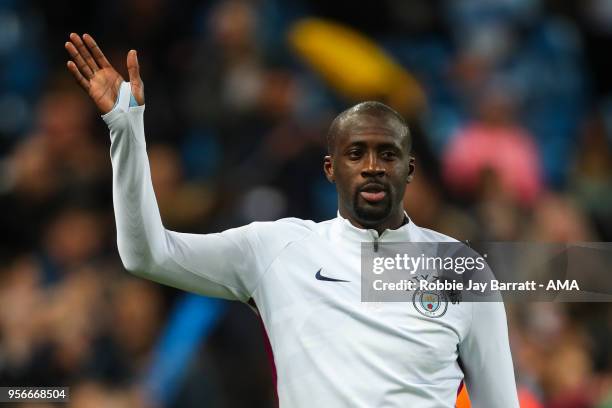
(372, 167)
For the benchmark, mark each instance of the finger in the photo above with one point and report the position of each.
(77, 75)
(96, 51)
(134, 73)
(133, 67)
(76, 40)
(78, 60)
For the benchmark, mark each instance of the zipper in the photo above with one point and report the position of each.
(377, 238)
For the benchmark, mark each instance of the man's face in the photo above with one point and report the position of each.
(371, 165)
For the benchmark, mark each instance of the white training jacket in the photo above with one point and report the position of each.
(329, 348)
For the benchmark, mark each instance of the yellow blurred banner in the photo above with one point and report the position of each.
(354, 65)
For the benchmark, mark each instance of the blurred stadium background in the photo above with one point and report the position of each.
(509, 101)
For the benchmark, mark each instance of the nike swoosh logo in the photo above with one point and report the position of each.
(325, 278)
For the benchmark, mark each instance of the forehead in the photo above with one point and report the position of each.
(362, 127)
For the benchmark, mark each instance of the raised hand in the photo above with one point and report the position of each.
(97, 76)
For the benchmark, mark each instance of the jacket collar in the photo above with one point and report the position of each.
(342, 228)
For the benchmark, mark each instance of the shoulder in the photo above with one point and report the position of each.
(266, 240)
(281, 232)
(428, 235)
(290, 225)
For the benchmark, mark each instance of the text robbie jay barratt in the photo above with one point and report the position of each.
(422, 284)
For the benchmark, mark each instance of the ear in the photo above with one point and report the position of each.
(411, 166)
(328, 169)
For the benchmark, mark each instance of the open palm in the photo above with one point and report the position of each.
(97, 76)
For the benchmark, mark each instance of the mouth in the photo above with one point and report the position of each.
(373, 192)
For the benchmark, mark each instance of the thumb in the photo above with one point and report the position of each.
(134, 73)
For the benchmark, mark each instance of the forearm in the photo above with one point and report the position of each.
(140, 232)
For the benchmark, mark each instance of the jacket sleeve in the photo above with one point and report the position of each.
(219, 265)
(486, 359)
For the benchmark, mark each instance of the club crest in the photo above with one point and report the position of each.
(430, 303)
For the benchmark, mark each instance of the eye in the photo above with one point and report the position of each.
(354, 154)
(389, 155)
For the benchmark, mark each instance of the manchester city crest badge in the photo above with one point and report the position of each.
(430, 303)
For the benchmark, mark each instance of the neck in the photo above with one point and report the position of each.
(394, 221)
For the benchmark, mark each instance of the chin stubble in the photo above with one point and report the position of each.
(371, 215)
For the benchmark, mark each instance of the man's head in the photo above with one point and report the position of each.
(370, 161)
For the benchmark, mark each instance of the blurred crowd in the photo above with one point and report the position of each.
(510, 107)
